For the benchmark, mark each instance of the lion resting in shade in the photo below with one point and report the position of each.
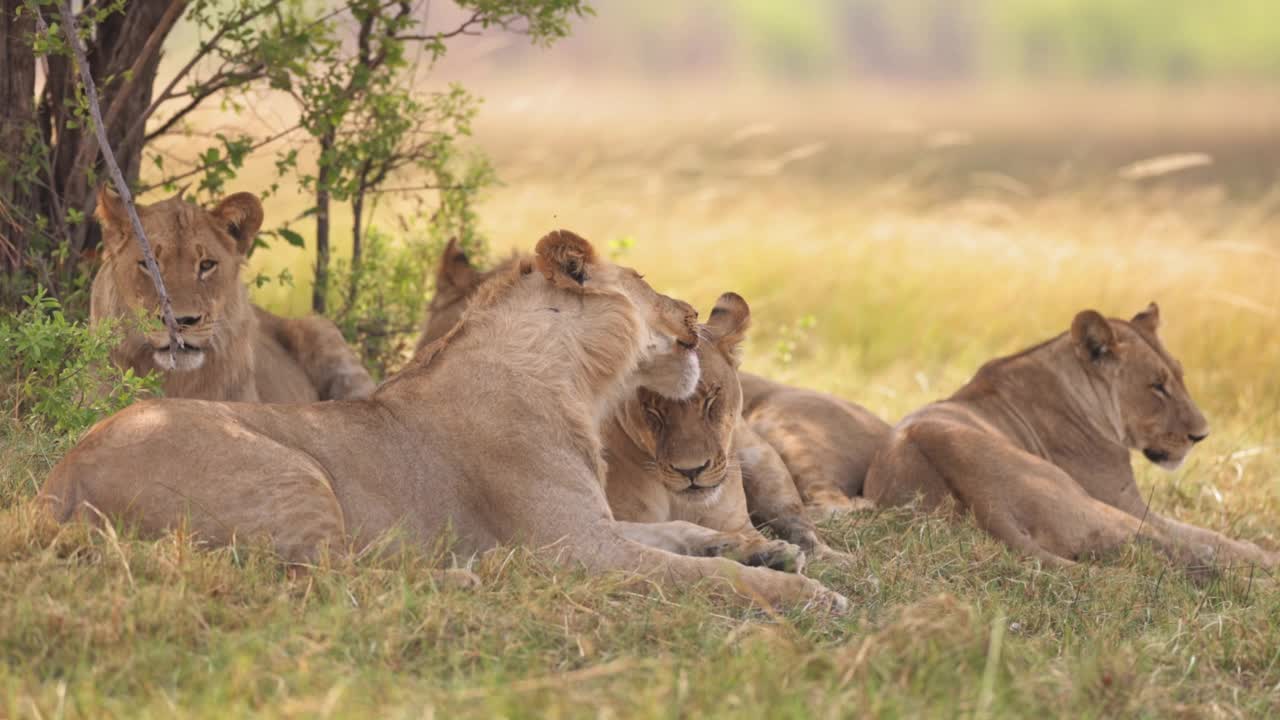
(233, 350)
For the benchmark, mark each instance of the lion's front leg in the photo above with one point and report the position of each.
(1211, 549)
(686, 538)
(772, 497)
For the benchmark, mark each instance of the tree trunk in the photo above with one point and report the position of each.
(50, 165)
(320, 288)
(357, 247)
(115, 47)
(17, 122)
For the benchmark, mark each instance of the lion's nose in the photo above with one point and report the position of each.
(1195, 438)
(185, 321)
(693, 473)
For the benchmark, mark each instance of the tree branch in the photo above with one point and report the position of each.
(215, 85)
(463, 29)
(140, 122)
(122, 188)
(149, 50)
(203, 168)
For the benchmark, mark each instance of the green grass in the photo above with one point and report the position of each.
(912, 277)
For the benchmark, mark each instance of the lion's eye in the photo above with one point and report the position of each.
(142, 265)
(654, 416)
(1160, 389)
(710, 403)
(207, 266)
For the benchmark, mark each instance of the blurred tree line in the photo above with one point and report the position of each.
(1165, 41)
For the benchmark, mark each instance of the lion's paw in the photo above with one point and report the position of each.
(829, 601)
(456, 579)
(775, 555)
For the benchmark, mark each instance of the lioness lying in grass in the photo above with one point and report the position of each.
(678, 460)
(1037, 446)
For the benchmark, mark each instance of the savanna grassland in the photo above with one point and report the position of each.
(887, 245)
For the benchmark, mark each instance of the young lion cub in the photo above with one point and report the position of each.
(232, 349)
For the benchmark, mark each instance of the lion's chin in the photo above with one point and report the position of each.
(701, 494)
(1164, 459)
(185, 360)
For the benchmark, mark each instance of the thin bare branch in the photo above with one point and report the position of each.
(463, 29)
(202, 168)
(416, 188)
(217, 84)
(140, 122)
(122, 188)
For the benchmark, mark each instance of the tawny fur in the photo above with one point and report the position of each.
(491, 435)
(827, 443)
(674, 470)
(1037, 446)
(248, 354)
(770, 496)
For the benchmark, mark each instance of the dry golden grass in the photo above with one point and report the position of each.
(883, 263)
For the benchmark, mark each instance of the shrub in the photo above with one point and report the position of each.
(57, 374)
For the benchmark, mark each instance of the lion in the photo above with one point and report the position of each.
(491, 435)
(678, 460)
(1037, 447)
(821, 444)
(827, 443)
(232, 349)
(771, 498)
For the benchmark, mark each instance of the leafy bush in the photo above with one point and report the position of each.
(57, 373)
(383, 317)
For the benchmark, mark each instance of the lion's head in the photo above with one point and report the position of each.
(1156, 412)
(689, 441)
(669, 363)
(612, 304)
(456, 281)
(200, 253)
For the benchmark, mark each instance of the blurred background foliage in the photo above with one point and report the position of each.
(1158, 41)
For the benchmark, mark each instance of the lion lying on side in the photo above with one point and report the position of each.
(492, 434)
(678, 460)
(1037, 445)
(644, 486)
(233, 349)
(827, 443)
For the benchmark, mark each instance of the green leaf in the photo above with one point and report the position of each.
(291, 237)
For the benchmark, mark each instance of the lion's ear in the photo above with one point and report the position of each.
(455, 270)
(1094, 337)
(114, 217)
(728, 324)
(241, 216)
(1148, 319)
(564, 255)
